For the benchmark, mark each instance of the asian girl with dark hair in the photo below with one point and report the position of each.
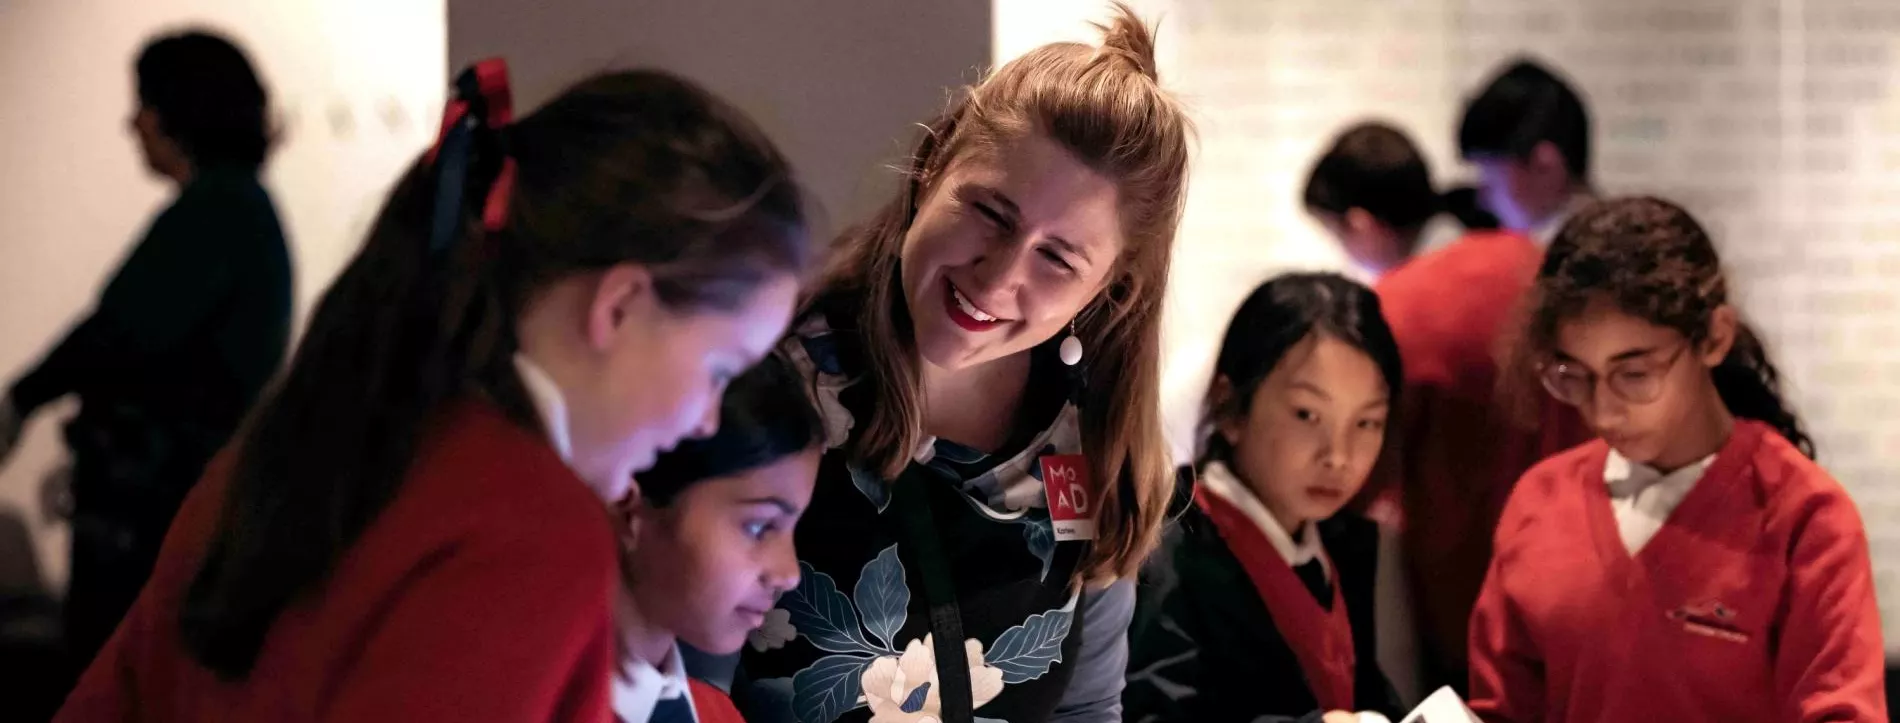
(1259, 605)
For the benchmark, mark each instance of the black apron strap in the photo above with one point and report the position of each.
(919, 530)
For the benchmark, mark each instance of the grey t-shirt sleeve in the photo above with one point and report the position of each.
(1095, 686)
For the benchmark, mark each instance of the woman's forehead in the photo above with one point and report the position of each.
(1046, 185)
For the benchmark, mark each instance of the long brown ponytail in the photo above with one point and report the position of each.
(637, 167)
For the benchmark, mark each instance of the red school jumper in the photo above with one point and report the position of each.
(712, 705)
(1754, 602)
(481, 593)
(1459, 450)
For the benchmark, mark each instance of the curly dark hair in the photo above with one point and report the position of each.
(1650, 258)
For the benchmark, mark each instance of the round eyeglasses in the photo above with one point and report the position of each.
(1636, 381)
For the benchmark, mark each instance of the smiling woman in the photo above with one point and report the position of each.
(1030, 189)
(939, 580)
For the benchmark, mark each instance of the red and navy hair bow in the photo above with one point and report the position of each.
(469, 151)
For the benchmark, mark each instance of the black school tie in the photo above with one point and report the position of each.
(1313, 573)
(672, 710)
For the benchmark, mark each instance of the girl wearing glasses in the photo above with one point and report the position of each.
(1695, 563)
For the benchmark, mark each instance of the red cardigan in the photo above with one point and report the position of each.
(712, 705)
(483, 592)
(1452, 312)
(1753, 603)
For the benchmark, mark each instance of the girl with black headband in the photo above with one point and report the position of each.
(414, 525)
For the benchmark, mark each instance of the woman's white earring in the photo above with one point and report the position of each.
(1071, 349)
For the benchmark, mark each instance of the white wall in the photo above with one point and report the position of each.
(1235, 234)
(358, 85)
(838, 85)
(1776, 121)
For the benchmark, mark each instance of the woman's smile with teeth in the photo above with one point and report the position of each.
(969, 308)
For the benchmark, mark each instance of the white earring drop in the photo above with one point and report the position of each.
(1071, 349)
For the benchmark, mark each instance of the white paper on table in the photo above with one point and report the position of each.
(1442, 706)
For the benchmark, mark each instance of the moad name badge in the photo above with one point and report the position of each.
(1065, 479)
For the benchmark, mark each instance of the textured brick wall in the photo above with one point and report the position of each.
(1775, 121)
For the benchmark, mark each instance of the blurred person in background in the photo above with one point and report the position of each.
(183, 338)
(1528, 133)
(414, 525)
(1457, 449)
(1372, 191)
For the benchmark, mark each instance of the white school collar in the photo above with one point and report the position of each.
(1625, 476)
(639, 686)
(1546, 232)
(1221, 482)
(551, 405)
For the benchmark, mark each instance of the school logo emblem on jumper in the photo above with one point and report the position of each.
(1710, 619)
